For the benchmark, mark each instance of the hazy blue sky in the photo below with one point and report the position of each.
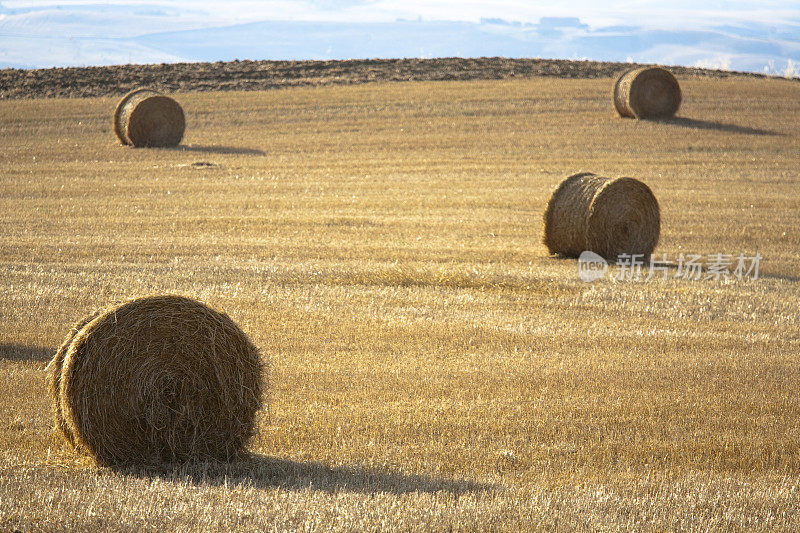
(760, 35)
(656, 13)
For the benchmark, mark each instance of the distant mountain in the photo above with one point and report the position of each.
(81, 35)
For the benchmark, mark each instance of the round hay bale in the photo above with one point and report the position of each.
(161, 379)
(607, 216)
(55, 367)
(650, 92)
(146, 118)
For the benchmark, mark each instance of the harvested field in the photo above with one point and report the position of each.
(432, 366)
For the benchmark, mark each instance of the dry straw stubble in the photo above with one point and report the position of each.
(144, 118)
(156, 380)
(650, 92)
(607, 216)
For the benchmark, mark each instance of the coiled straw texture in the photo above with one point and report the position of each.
(144, 118)
(160, 379)
(607, 216)
(651, 92)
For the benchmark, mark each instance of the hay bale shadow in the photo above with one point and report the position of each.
(21, 352)
(265, 472)
(718, 126)
(224, 150)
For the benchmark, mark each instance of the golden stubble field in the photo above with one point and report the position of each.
(431, 367)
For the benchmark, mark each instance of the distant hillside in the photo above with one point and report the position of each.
(260, 75)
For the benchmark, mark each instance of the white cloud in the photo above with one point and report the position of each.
(49, 32)
(676, 14)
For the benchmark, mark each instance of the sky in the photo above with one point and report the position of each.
(761, 36)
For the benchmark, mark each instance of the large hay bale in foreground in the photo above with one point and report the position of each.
(607, 216)
(146, 118)
(160, 379)
(650, 92)
(55, 367)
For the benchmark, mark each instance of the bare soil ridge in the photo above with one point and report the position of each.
(78, 82)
